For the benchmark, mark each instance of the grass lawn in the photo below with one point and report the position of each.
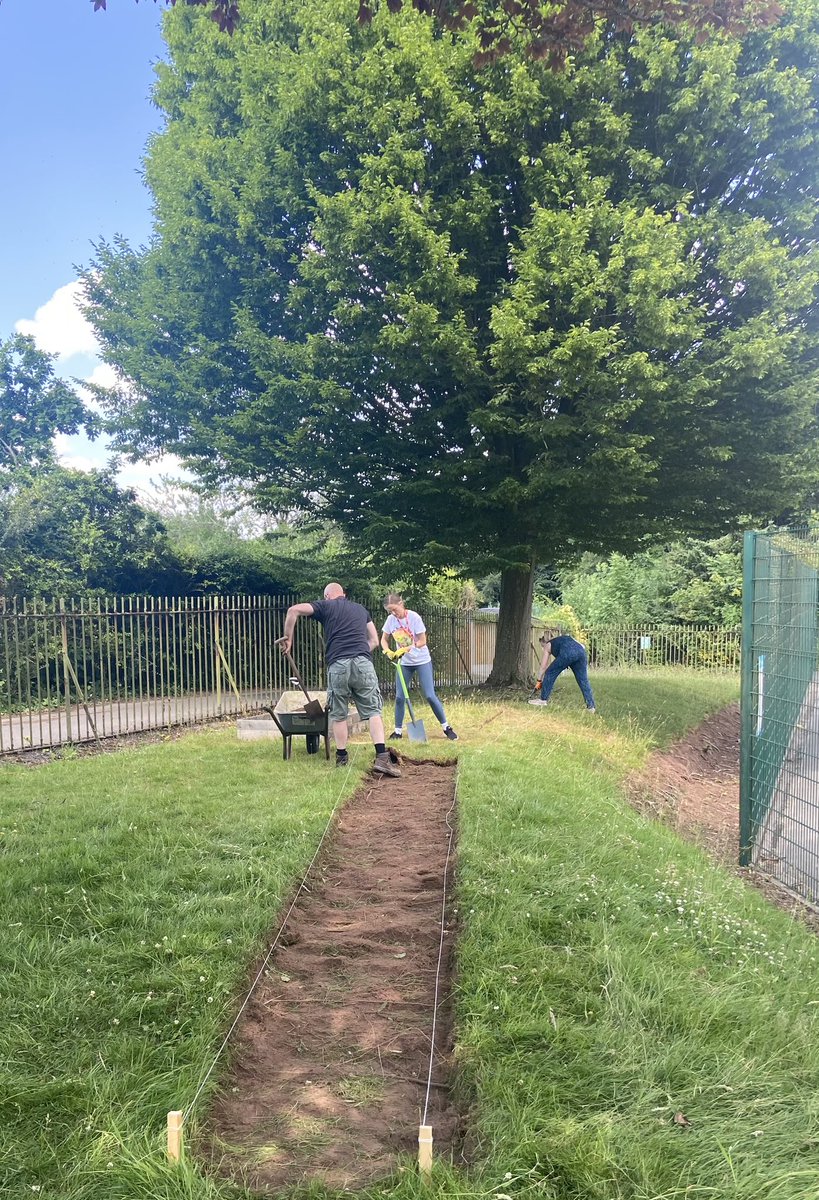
(633, 1022)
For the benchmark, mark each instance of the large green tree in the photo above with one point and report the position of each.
(478, 319)
(69, 532)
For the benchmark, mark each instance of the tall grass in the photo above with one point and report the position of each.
(634, 1024)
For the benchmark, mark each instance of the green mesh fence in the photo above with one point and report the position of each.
(779, 783)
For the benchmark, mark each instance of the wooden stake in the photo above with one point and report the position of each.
(174, 1136)
(425, 1149)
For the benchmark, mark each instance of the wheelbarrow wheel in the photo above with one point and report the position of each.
(313, 743)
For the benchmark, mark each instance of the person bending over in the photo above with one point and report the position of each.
(569, 654)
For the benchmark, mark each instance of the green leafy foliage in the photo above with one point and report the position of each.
(62, 531)
(697, 581)
(550, 32)
(70, 532)
(34, 405)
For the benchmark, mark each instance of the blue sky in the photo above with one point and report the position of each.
(75, 98)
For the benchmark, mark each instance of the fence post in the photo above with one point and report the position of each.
(746, 698)
(217, 663)
(452, 636)
(66, 673)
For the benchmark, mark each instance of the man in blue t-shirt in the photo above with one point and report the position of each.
(349, 640)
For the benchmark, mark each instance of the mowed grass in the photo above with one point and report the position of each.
(632, 1022)
(136, 890)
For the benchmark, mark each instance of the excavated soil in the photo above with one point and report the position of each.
(694, 785)
(332, 1054)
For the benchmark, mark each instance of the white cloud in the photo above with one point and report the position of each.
(146, 477)
(77, 451)
(69, 454)
(103, 375)
(59, 327)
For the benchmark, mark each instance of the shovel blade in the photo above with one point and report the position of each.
(314, 710)
(416, 731)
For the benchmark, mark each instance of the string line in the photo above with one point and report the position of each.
(451, 829)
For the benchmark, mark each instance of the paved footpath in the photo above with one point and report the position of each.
(788, 843)
(39, 729)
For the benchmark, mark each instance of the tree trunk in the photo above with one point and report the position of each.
(513, 656)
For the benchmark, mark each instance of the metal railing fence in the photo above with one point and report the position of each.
(779, 761)
(713, 648)
(76, 670)
(80, 670)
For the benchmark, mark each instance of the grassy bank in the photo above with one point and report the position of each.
(633, 1023)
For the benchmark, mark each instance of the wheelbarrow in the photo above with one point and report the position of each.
(292, 722)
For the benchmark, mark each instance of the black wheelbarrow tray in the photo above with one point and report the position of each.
(293, 721)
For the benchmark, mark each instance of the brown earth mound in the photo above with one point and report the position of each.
(694, 784)
(332, 1054)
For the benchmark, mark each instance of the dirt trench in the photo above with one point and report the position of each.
(331, 1057)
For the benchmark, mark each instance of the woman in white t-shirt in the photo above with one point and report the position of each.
(407, 629)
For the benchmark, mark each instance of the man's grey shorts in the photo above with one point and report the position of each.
(353, 679)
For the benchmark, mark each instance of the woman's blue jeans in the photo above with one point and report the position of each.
(576, 662)
(427, 690)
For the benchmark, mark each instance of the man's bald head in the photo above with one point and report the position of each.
(333, 591)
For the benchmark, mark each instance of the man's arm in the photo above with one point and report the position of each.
(293, 613)
(547, 654)
(372, 635)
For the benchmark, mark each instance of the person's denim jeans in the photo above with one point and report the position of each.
(576, 662)
(427, 683)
